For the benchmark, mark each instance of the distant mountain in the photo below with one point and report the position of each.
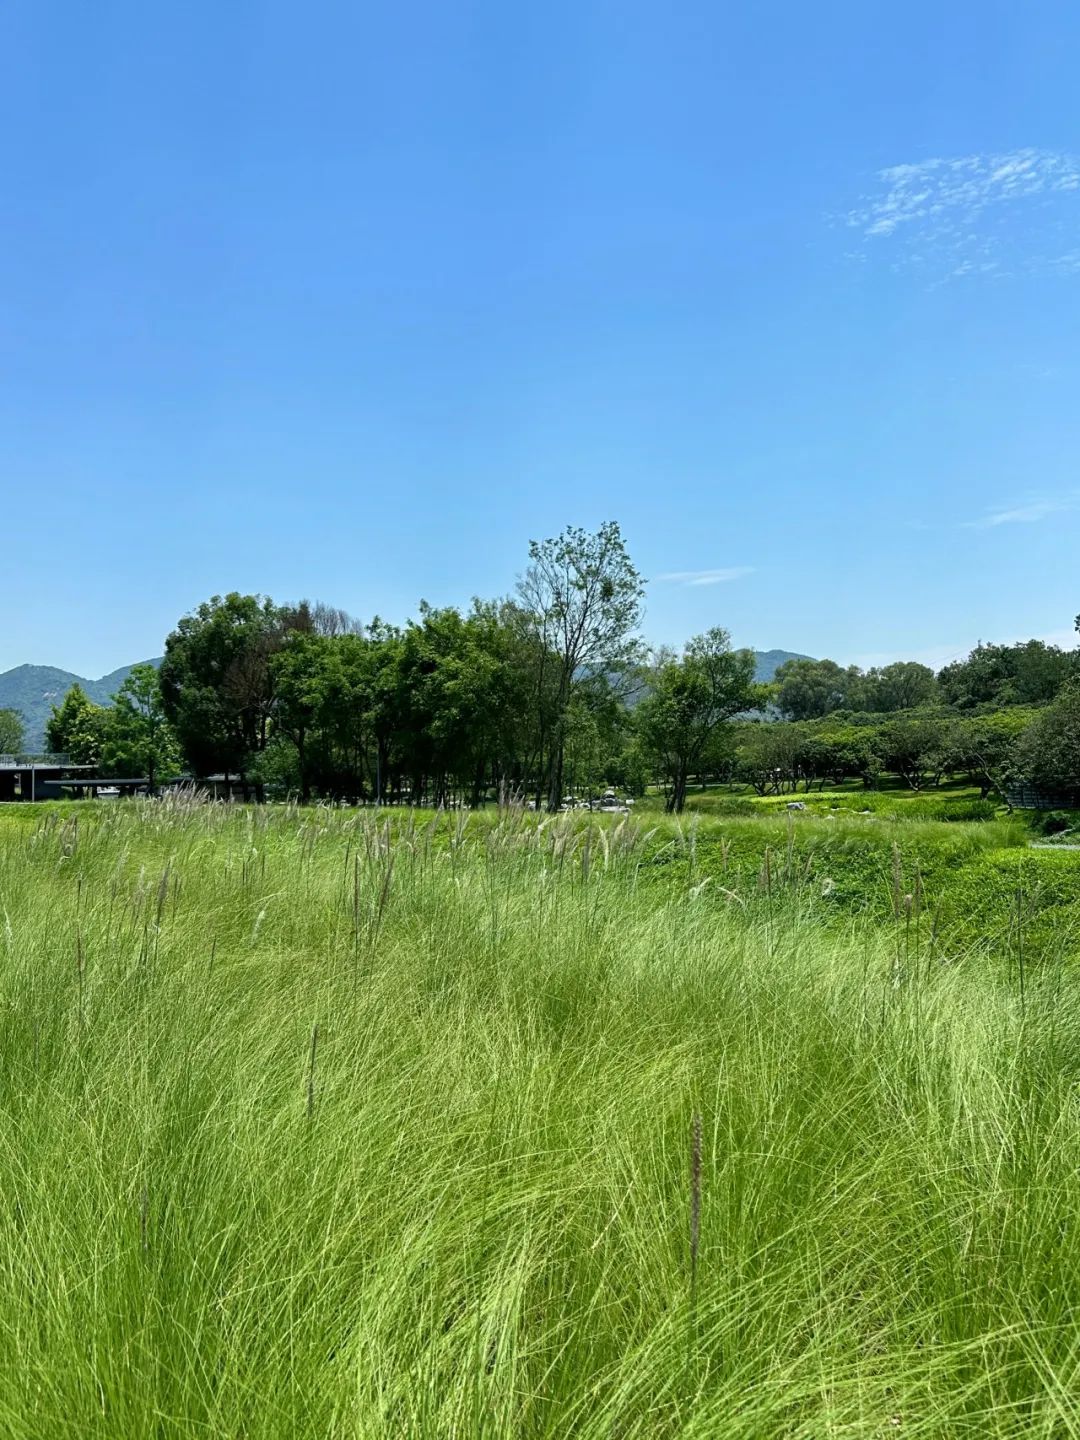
(34, 689)
(766, 664)
(769, 661)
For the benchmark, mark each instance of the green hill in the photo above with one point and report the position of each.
(34, 689)
(769, 661)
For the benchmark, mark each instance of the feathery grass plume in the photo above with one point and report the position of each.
(695, 1228)
(918, 900)
(765, 884)
(311, 1072)
(1020, 936)
(909, 906)
(383, 897)
(931, 946)
(162, 894)
(695, 1195)
(897, 897)
(469, 1233)
(356, 908)
(80, 969)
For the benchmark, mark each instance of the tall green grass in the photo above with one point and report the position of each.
(313, 1125)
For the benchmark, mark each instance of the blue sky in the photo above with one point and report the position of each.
(351, 301)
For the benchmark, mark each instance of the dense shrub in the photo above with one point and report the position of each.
(1055, 822)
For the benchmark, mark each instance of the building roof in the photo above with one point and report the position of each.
(100, 781)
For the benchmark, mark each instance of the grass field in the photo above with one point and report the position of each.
(323, 1124)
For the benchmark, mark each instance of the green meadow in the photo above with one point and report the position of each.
(332, 1123)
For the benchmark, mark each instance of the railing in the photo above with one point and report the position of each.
(46, 757)
(1024, 796)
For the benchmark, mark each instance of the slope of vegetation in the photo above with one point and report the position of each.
(319, 1125)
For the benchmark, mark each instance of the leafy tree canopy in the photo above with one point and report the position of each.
(137, 738)
(809, 689)
(688, 699)
(1030, 673)
(1048, 753)
(216, 681)
(12, 732)
(76, 727)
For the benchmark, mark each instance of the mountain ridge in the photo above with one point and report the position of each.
(769, 661)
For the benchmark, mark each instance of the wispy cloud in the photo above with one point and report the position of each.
(976, 215)
(705, 577)
(1028, 513)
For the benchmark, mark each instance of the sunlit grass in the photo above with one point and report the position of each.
(317, 1127)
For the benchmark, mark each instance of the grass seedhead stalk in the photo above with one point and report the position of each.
(695, 1202)
(695, 1235)
(311, 1072)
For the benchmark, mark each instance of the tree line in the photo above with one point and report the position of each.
(1002, 715)
(550, 692)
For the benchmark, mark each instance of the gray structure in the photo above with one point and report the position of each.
(37, 777)
(1024, 796)
(110, 786)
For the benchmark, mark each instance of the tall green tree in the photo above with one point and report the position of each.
(334, 704)
(809, 689)
(768, 755)
(137, 738)
(688, 700)
(582, 597)
(1029, 673)
(904, 685)
(76, 727)
(302, 680)
(1048, 752)
(920, 746)
(850, 749)
(12, 732)
(985, 745)
(217, 684)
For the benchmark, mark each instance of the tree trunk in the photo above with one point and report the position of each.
(478, 784)
(677, 798)
(555, 788)
(305, 780)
